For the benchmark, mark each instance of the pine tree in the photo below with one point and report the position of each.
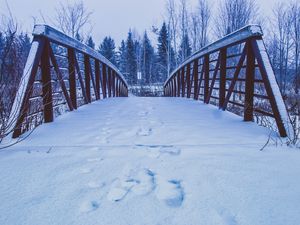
(163, 53)
(185, 49)
(147, 60)
(90, 42)
(131, 65)
(107, 49)
(121, 58)
(78, 37)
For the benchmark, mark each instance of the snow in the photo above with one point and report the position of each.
(149, 161)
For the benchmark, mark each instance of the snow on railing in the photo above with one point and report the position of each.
(234, 73)
(60, 75)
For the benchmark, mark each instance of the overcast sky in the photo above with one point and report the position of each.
(110, 17)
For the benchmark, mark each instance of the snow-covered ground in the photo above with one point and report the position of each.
(149, 161)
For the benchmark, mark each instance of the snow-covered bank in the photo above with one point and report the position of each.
(149, 161)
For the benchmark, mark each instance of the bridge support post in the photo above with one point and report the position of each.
(178, 83)
(104, 80)
(249, 86)
(188, 80)
(47, 85)
(222, 83)
(72, 77)
(87, 77)
(109, 82)
(97, 77)
(195, 74)
(206, 77)
(182, 83)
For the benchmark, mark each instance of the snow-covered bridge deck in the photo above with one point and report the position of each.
(149, 161)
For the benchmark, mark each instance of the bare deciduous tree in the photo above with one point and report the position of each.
(234, 14)
(72, 18)
(199, 24)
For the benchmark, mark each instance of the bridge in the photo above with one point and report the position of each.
(92, 155)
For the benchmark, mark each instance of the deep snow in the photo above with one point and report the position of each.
(149, 161)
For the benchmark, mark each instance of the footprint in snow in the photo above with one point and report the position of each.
(140, 183)
(89, 206)
(171, 192)
(144, 132)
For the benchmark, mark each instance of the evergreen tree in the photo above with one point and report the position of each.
(163, 53)
(121, 58)
(147, 60)
(131, 65)
(78, 37)
(107, 49)
(90, 42)
(185, 49)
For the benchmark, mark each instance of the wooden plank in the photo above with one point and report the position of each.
(46, 81)
(60, 79)
(72, 77)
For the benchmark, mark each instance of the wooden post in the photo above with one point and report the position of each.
(206, 77)
(195, 73)
(109, 82)
(72, 77)
(87, 77)
(97, 76)
(249, 89)
(222, 82)
(188, 80)
(104, 78)
(47, 86)
(182, 83)
(178, 83)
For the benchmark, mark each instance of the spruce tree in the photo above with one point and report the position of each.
(121, 58)
(147, 60)
(131, 65)
(185, 48)
(163, 53)
(107, 49)
(90, 42)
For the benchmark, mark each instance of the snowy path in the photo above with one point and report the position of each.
(149, 161)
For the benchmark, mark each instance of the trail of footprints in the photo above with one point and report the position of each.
(137, 181)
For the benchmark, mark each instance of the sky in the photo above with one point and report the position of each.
(110, 17)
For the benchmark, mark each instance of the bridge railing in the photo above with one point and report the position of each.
(61, 74)
(235, 74)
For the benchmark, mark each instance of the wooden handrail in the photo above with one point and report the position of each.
(44, 68)
(217, 76)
